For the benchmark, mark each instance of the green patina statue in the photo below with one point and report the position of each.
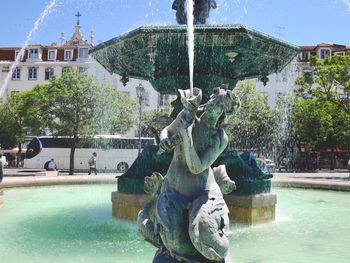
(191, 218)
(200, 13)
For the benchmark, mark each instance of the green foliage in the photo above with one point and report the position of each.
(314, 122)
(76, 105)
(331, 77)
(252, 127)
(18, 116)
(321, 125)
(153, 122)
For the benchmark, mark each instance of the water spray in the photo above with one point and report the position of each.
(41, 18)
(190, 40)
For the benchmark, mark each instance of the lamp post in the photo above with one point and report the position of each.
(140, 90)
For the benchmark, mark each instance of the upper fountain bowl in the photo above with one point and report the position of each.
(223, 54)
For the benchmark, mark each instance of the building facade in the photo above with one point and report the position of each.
(40, 62)
(283, 83)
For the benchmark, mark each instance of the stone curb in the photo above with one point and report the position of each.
(28, 181)
(312, 184)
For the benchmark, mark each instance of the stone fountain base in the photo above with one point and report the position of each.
(1, 198)
(127, 206)
(252, 209)
(247, 209)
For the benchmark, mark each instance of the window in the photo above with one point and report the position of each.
(16, 54)
(82, 70)
(163, 100)
(65, 69)
(83, 53)
(308, 75)
(305, 56)
(5, 69)
(32, 73)
(16, 75)
(52, 55)
(324, 53)
(33, 53)
(340, 53)
(48, 73)
(146, 98)
(68, 54)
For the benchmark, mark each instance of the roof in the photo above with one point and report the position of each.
(334, 47)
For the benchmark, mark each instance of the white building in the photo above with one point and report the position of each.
(40, 62)
(283, 83)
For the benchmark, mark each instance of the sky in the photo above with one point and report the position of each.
(300, 22)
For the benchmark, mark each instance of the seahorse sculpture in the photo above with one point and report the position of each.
(191, 221)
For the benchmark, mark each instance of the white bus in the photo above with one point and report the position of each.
(114, 153)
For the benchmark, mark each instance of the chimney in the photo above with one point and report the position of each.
(92, 37)
(62, 38)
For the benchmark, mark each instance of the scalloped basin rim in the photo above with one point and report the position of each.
(223, 54)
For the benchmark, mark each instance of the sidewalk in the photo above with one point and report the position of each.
(25, 178)
(329, 180)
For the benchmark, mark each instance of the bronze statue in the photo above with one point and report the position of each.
(191, 217)
(201, 11)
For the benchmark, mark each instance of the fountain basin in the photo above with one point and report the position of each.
(223, 54)
(74, 224)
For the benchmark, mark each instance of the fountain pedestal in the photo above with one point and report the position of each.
(252, 209)
(1, 198)
(126, 206)
(248, 209)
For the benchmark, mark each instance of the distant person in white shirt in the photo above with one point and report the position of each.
(51, 165)
(92, 164)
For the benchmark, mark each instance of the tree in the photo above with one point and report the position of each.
(321, 125)
(252, 127)
(314, 122)
(153, 122)
(77, 106)
(330, 82)
(18, 117)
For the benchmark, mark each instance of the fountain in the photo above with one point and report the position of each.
(184, 178)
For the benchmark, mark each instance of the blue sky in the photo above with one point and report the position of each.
(303, 22)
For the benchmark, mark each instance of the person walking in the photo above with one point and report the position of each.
(92, 163)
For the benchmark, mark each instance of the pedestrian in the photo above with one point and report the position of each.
(51, 166)
(92, 163)
(349, 168)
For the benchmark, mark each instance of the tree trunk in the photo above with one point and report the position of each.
(332, 159)
(71, 160)
(19, 154)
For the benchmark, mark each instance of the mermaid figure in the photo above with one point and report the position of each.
(191, 218)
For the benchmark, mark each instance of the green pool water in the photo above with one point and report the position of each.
(74, 224)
